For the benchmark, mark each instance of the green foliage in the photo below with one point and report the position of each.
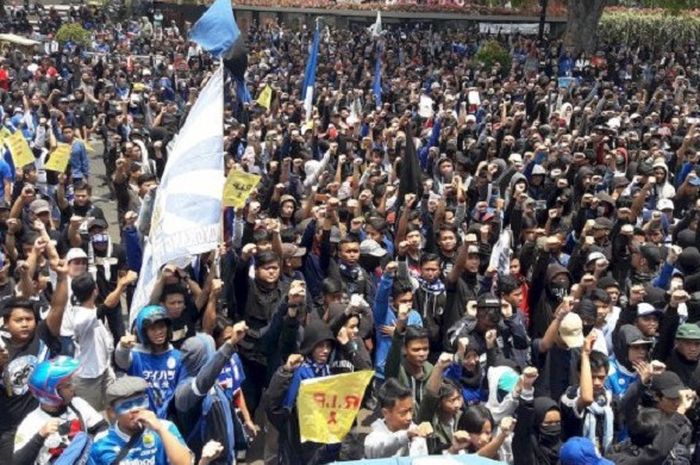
(73, 32)
(656, 28)
(492, 52)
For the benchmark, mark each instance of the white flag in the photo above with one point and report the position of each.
(425, 106)
(501, 253)
(187, 209)
(376, 28)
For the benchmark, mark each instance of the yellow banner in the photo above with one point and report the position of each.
(328, 406)
(59, 158)
(238, 187)
(19, 149)
(4, 133)
(265, 97)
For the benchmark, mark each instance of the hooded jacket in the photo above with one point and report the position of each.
(528, 445)
(281, 404)
(543, 298)
(203, 367)
(622, 373)
(665, 190)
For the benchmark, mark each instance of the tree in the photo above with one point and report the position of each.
(582, 21)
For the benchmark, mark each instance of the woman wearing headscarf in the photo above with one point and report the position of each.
(537, 436)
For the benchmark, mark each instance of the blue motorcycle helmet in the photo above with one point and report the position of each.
(147, 316)
(48, 375)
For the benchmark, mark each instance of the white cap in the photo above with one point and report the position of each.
(665, 204)
(75, 253)
(515, 158)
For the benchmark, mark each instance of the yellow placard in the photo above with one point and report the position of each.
(238, 187)
(328, 406)
(19, 149)
(4, 133)
(59, 158)
(265, 97)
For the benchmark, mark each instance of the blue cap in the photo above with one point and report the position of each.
(581, 451)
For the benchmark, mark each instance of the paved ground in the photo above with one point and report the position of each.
(100, 191)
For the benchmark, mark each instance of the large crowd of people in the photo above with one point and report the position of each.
(514, 251)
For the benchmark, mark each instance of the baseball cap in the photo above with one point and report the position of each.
(97, 222)
(75, 253)
(620, 181)
(571, 330)
(488, 300)
(372, 247)
(581, 451)
(602, 223)
(515, 158)
(665, 204)
(288, 198)
(292, 250)
(694, 181)
(595, 256)
(688, 331)
(473, 249)
(645, 309)
(538, 169)
(125, 387)
(668, 384)
(39, 206)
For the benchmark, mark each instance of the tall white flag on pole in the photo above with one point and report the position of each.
(187, 209)
(376, 28)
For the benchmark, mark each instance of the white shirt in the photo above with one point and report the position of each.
(94, 343)
(382, 443)
(38, 418)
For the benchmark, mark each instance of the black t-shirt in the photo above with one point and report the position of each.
(184, 327)
(16, 402)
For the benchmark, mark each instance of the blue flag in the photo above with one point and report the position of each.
(242, 91)
(216, 30)
(307, 91)
(377, 84)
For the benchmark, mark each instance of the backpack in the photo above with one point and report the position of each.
(77, 452)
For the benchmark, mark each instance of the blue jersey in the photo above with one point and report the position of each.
(148, 450)
(385, 316)
(619, 379)
(161, 371)
(232, 376)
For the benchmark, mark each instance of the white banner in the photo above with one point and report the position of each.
(512, 28)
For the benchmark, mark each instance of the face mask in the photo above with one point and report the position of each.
(601, 211)
(100, 238)
(559, 290)
(550, 435)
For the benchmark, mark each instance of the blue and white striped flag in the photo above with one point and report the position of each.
(307, 91)
(186, 217)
